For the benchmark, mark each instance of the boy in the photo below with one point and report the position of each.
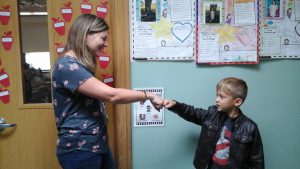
(228, 139)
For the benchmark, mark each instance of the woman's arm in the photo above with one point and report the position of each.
(97, 89)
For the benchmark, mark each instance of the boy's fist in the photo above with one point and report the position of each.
(169, 103)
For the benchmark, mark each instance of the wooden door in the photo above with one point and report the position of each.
(31, 144)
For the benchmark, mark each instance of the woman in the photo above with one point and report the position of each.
(77, 96)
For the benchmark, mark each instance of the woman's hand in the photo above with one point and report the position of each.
(157, 101)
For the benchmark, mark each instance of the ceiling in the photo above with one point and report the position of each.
(33, 5)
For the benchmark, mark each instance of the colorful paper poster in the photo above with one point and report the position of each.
(145, 114)
(280, 29)
(227, 32)
(162, 29)
(215, 31)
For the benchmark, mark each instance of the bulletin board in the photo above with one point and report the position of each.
(162, 30)
(227, 32)
(214, 32)
(280, 29)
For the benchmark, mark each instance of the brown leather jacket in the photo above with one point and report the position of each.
(246, 149)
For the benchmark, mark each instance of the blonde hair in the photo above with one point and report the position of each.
(233, 86)
(85, 24)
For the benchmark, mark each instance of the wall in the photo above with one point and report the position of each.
(272, 102)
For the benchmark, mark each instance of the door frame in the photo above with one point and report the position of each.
(121, 53)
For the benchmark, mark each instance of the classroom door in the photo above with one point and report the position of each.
(31, 143)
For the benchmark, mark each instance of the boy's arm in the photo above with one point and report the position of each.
(187, 112)
(257, 153)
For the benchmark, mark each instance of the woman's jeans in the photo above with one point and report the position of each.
(86, 160)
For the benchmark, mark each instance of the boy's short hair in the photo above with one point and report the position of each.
(233, 86)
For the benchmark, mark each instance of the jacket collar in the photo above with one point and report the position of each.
(237, 121)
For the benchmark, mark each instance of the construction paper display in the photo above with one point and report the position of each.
(162, 29)
(227, 32)
(215, 31)
(280, 29)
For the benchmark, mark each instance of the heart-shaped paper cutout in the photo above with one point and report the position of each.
(243, 35)
(182, 31)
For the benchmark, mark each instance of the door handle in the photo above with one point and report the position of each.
(3, 124)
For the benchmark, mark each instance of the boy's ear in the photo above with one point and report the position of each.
(238, 102)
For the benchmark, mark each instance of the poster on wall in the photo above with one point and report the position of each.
(227, 32)
(145, 114)
(162, 29)
(280, 29)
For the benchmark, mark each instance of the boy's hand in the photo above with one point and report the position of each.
(169, 103)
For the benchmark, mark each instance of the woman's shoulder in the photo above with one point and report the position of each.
(67, 63)
(65, 59)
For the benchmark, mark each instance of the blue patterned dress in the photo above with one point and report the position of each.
(81, 120)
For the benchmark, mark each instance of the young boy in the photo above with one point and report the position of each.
(228, 139)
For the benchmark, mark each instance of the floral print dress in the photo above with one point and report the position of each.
(80, 120)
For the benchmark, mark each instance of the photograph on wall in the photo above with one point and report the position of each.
(212, 12)
(162, 29)
(145, 114)
(274, 9)
(148, 11)
(280, 37)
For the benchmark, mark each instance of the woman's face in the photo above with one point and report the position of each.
(96, 42)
